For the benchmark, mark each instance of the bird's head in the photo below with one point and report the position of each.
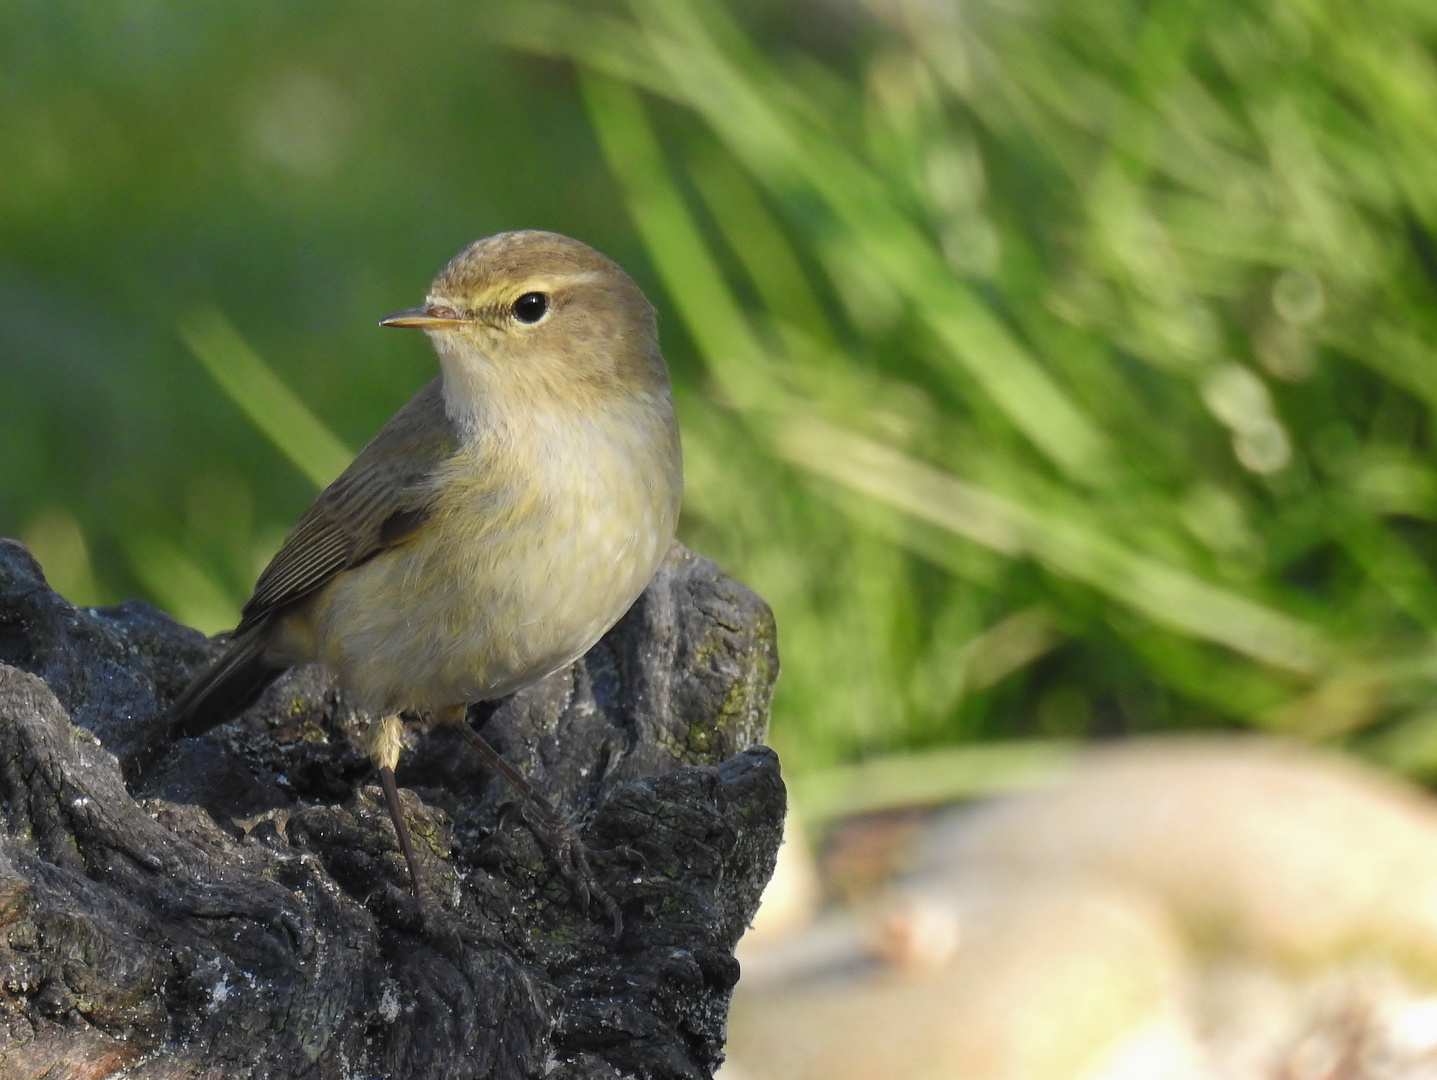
(540, 313)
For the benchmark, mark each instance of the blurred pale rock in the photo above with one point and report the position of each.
(1229, 910)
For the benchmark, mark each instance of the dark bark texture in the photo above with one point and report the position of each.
(236, 906)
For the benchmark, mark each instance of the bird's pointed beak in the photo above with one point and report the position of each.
(429, 317)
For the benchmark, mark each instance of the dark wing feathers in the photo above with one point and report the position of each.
(228, 687)
(376, 503)
(314, 551)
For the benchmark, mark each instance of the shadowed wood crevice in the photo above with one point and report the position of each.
(236, 905)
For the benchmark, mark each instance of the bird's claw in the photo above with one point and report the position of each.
(622, 853)
(571, 855)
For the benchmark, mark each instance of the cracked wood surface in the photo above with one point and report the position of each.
(236, 906)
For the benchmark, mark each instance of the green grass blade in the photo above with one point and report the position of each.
(260, 394)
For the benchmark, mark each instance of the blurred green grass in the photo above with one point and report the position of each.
(1055, 370)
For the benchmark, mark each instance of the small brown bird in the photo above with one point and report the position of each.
(496, 527)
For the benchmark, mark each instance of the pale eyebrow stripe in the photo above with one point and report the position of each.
(541, 282)
(538, 283)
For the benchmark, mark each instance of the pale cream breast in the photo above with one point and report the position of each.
(544, 534)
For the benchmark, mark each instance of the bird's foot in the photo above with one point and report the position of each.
(572, 856)
(570, 853)
(559, 834)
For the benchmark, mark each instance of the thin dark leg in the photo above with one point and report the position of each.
(515, 779)
(573, 858)
(396, 814)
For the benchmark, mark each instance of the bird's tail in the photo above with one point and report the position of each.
(235, 681)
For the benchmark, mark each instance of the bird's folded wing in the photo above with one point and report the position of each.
(376, 503)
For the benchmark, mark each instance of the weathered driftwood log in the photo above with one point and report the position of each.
(236, 906)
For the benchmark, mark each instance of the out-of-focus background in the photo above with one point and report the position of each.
(1059, 370)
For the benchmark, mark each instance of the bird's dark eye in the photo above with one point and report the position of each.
(530, 307)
